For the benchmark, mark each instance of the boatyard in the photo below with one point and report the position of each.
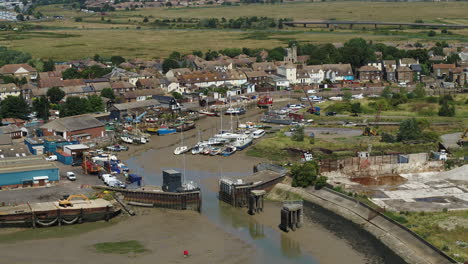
(194, 161)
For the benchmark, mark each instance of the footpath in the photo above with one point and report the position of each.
(412, 248)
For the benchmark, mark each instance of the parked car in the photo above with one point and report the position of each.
(71, 176)
(52, 158)
(331, 114)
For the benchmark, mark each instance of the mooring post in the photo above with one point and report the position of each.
(59, 217)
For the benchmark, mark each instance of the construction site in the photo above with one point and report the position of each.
(410, 182)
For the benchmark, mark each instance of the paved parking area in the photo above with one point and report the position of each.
(54, 192)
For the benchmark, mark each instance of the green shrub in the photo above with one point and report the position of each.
(320, 182)
(432, 99)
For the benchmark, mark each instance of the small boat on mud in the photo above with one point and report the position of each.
(187, 125)
(228, 151)
(235, 111)
(152, 130)
(242, 142)
(127, 139)
(164, 130)
(181, 150)
(258, 133)
(198, 149)
(215, 151)
(265, 102)
(208, 113)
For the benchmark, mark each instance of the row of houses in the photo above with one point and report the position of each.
(138, 79)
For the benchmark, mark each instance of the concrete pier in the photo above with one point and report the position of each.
(291, 215)
(256, 201)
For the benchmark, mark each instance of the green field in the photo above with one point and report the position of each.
(75, 44)
(123, 32)
(345, 10)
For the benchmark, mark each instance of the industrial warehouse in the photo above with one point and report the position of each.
(27, 171)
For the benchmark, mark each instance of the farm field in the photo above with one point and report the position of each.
(124, 33)
(346, 10)
(81, 43)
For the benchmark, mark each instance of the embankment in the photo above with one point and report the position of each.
(412, 248)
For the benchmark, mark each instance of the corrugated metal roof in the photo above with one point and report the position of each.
(73, 123)
(139, 104)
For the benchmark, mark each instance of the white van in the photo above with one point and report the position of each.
(71, 176)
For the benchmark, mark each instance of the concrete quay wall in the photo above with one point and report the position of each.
(409, 246)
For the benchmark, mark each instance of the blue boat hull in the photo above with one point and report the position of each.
(244, 146)
(166, 131)
(227, 154)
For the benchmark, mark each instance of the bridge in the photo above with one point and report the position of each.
(375, 23)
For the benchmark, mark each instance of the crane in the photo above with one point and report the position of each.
(138, 118)
(312, 109)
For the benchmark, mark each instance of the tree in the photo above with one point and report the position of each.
(298, 134)
(95, 103)
(8, 56)
(388, 138)
(15, 107)
(169, 64)
(49, 65)
(71, 73)
(453, 58)
(20, 17)
(175, 55)
(431, 33)
(446, 109)
(409, 130)
(74, 105)
(108, 93)
(276, 54)
(211, 55)
(116, 60)
(145, 20)
(357, 52)
(177, 96)
(55, 94)
(97, 57)
(41, 106)
(198, 53)
(78, 19)
(419, 91)
(320, 182)
(304, 174)
(356, 108)
(387, 92)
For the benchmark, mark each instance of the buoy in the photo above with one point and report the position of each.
(185, 253)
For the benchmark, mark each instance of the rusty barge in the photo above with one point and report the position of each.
(50, 213)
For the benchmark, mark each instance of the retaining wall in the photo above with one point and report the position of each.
(408, 245)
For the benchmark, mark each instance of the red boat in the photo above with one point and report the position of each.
(265, 102)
